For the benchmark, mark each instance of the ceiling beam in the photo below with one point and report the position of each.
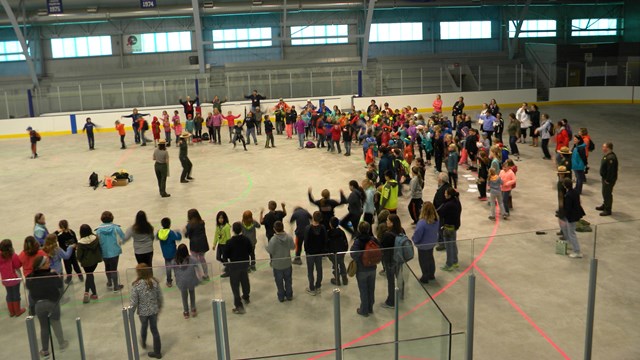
(23, 42)
(513, 43)
(367, 31)
(197, 24)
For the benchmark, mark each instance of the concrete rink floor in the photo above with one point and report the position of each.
(530, 302)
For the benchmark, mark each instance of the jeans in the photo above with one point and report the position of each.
(230, 133)
(607, 195)
(390, 273)
(251, 132)
(89, 283)
(453, 179)
(347, 147)
(336, 144)
(506, 195)
(91, 139)
(579, 180)
(13, 293)
(199, 257)
(545, 148)
(301, 140)
(211, 134)
(366, 287)
(238, 276)
(191, 293)
(146, 258)
(48, 313)
(216, 135)
(111, 268)
(427, 264)
(72, 264)
(122, 144)
(136, 133)
(569, 232)
(415, 206)
(513, 145)
(167, 137)
(339, 269)
(284, 283)
(142, 137)
(152, 322)
(482, 189)
(169, 269)
(269, 139)
(493, 199)
(314, 262)
(450, 246)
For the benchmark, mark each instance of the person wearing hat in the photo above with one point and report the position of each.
(280, 112)
(161, 158)
(184, 158)
(34, 137)
(564, 159)
(609, 175)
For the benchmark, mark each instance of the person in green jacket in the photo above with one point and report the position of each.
(223, 234)
(389, 193)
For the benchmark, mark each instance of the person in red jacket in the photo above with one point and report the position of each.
(336, 131)
(562, 137)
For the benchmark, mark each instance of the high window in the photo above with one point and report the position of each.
(81, 47)
(594, 27)
(10, 51)
(242, 38)
(533, 28)
(163, 42)
(455, 30)
(319, 34)
(396, 32)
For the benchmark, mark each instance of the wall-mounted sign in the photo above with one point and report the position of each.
(54, 6)
(148, 4)
(132, 43)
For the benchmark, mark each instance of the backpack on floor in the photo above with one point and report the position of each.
(205, 137)
(403, 249)
(372, 254)
(93, 180)
(310, 145)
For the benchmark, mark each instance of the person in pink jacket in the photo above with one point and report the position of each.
(10, 264)
(214, 124)
(508, 178)
(437, 105)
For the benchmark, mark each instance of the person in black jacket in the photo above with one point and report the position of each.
(250, 122)
(449, 214)
(326, 205)
(355, 201)
(573, 212)
(337, 245)
(236, 255)
(471, 145)
(609, 175)
(457, 109)
(45, 290)
(189, 106)
(366, 276)
(315, 244)
(439, 199)
(388, 243)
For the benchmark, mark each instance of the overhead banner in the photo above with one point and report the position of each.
(148, 4)
(54, 6)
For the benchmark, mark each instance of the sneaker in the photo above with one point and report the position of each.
(387, 306)
(185, 314)
(492, 217)
(447, 268)
(456, 265)
(44, 354)
(246, 300)
(297, 261)
(64, 344)
(85, 298)
(310, 292)
(361, 313)
(238, 311)
(224, 275)
(118, 288)
(169, 284)
(154, 355)
(600, 208)
(440, 247)
(505, 216)
(575, 255)
(94, 297)
(109, 285)
(194, 313)
(482, 198)
(605, 213)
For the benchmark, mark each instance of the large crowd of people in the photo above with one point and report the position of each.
(398, 146)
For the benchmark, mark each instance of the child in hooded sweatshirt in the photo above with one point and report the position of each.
(495, 194)
(279, 248)
(55, 253)
(40, 231)
(337, 246)
(9, 267)
(186, 279)
(452, 165)
(110, 236)
(168, 240)
(89, 255)
(249, 226)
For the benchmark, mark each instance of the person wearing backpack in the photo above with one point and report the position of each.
(315, 244)
(449, 214)
(34, 137)
(388, 243)
(366, 271)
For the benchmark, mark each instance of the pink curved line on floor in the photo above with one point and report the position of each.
(522, 313)
(426, 301)
(124, 157)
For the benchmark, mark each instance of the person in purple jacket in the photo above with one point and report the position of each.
(425, 238)
(300, 125)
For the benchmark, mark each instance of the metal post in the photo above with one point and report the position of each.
(605, 73)
(549, 75)
(471, 305)
(80, 338)
(585, 73)
(59, 100)
(127, 333)
(290, 85)
(421, 81)
(396, 335)
(460, 74)
(270, 93)
(516, 75)
(80, 96)
(220, 326)
(521, 76)
(591, 304)
(144, 95)
(626, 75)
(186, 92)
(479, 77)
(228, 88)
(331, 78)
(351, 81)
(101, 96)
(311, 81)
(122, 90)
(33, 338)
(249, 81)
(164, 86)
(566, 84)
(381, 80)
(498, 76)
(6, 100)
(401, 83)
(440, 78)
(535, 76)
(337, 323)
(134, 336)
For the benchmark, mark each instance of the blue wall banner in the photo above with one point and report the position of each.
(54, 6)
(148, 4)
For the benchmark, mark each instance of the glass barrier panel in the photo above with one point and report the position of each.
(180, 311)
(327, 354)
(434, 347)
(257, 318)
(458, 346)
(617, 252)
(63, 335)
(18, 339)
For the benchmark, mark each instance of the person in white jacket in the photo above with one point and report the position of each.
(525, 122)
(545, 131)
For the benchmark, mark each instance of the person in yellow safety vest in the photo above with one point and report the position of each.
(389, 193)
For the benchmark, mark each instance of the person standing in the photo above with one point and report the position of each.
(302, 218)
(189, 106)
(217, 103)
(425, 238)
(279, 248)
(10, 265)
(609, 175)
(272, 217)
(236, 255)
(281, 110)
(146, 299)
(110, 236)
(168, 239)
(579, 161)
(268, 130)
(40, 230)
(544, 131)
(437, 105)
(184, 158)
(391, 269)
(365, 275)
(416, 185)
(135, 116)
(449, 214)
(525, 122)
(573, 212)
(508, 178)
(142, 233)
(250, 121)
(34, 137)
(161, 157)
(457, 110)
(88, 128)
(196, 232)
(315, 244)
(255, 101)
(121, 131)
(355, 204)
(89, 255)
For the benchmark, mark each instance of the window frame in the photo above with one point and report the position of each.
(6, 56)
(327, 34)
(61, 47)
(588, 30)
(525, 32)
(466, 27)
(160, 42)
(390, 29)
(242, 38)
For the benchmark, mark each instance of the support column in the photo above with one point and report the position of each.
(197, 23)
(367, 31)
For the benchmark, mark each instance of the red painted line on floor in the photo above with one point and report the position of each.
(426, 301)
(123, 157)
(522, 313)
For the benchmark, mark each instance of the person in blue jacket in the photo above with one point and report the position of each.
(88, 128)
(110, 236)
(425, 238)
(579, 161)
(135, 116)
(168, 240)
